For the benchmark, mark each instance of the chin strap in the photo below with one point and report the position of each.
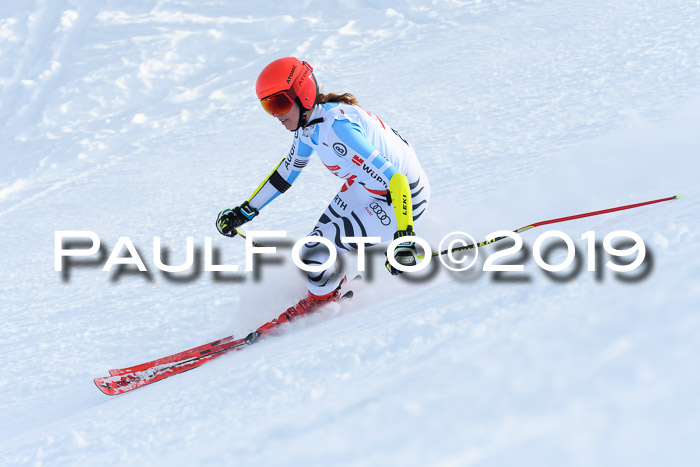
(303, 115)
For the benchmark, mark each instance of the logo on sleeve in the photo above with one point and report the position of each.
(340, 149)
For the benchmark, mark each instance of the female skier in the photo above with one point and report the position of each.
(384, 191)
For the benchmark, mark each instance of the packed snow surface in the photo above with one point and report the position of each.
(139, 120)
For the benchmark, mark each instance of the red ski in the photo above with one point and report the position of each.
(125, 382)
(199, 351)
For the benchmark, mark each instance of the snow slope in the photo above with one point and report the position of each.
(139, 119)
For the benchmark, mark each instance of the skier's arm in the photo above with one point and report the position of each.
(402, 201)
(399, 190)
(352, 135)
(279, 181)
(282, 177)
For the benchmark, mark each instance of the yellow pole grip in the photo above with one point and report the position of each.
(401, 199)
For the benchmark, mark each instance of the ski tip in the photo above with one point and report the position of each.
(678, 196)
(99, 382)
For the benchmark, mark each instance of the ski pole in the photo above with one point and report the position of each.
(255, 244)
(552, 221)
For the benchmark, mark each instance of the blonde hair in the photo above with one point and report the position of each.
(345, 98)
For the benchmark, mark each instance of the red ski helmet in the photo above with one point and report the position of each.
(285, 81)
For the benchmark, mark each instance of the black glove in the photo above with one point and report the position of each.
(229, 219)
(405, 253)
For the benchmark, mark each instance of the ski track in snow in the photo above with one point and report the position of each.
(140, 119)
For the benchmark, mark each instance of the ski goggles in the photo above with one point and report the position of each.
(279, 102)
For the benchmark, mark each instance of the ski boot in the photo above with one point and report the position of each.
(305, 306)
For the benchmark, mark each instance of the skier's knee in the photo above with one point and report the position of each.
(314, 254)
